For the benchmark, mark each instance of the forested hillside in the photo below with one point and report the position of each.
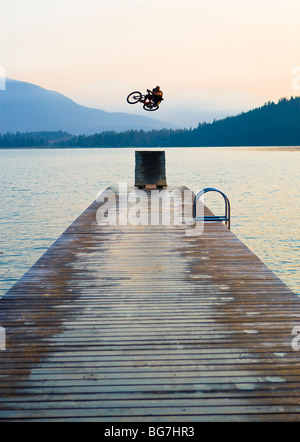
(270, 125)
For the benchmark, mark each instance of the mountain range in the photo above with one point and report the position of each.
(25, 107)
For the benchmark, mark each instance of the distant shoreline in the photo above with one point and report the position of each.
(270, 125)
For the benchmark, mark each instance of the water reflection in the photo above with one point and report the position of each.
(43, 191)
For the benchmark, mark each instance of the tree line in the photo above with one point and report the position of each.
(269, 125)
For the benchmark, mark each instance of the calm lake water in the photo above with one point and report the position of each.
(43, 191)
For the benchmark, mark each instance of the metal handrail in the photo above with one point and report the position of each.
(226, 217)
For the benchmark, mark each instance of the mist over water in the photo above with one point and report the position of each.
(43, 191)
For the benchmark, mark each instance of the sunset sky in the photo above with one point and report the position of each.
(210, 57)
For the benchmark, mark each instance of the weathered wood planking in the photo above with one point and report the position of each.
(146, 324)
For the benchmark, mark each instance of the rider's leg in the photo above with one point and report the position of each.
(147, 98)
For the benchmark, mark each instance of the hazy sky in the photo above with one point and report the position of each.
(210, 57)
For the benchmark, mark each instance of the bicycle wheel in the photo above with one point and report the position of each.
(134, 97)
(150, 107)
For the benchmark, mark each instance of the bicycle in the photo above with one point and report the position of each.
(148, 104)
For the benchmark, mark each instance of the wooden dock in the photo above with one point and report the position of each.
(147, 324)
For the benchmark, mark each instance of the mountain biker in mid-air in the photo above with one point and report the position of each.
(156, 95)
(151, 101)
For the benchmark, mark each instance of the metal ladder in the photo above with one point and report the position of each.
(226, 217)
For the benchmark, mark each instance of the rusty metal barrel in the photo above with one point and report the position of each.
(150, 169)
